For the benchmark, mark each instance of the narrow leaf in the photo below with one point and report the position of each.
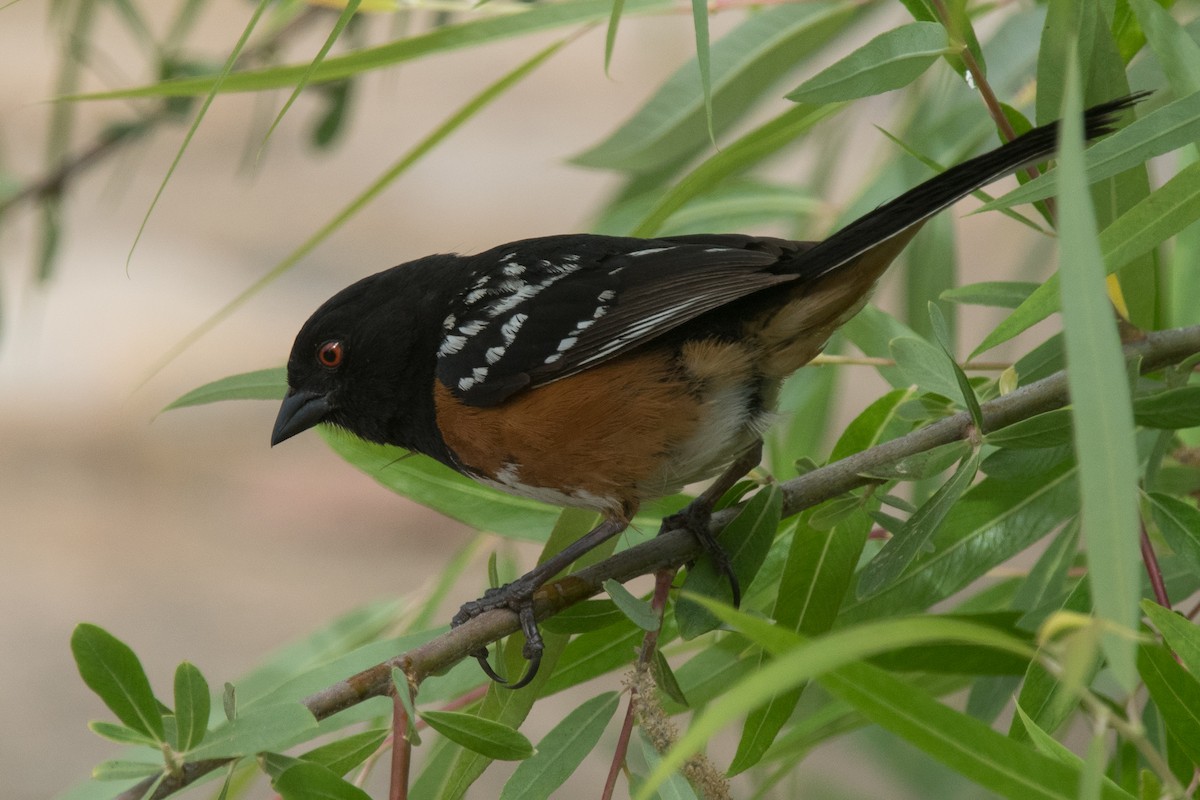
(638, 611)
(902, 549)
(1103, 412)
(1176, 693)
(351, 8)
(1180, 634)
(562, 750)
(1179, 524)
(484, 736)
(263, 384)
(343, 755)
(307, 781)
(889, 61)
(192, 706)
(111, 669)
(187, 138)
(746, 541)
(703, 59)
(259, 728)
(1155, 218)
(1157, 132)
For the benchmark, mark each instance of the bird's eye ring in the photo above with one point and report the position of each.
(330, 354)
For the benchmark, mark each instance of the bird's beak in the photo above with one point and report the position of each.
(300, 411)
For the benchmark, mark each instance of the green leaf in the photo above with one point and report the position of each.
(111, 669)
(743, 66)
(798, 661)
(192, 706)
(1177, 52)
(675, 787)
(1157, 132)
(1180, 634)
(746, 541)
(966, 745)
(879, 422)
(747, 151)
(889, 61)
(120, 734)
(994, 521)
(437, 486)
(484, 736)
(1170, 410)
(1179, 524)
(998, 294)
(590, 615)
(195, 125)
(263, 384)
(1176, 693)
(1155, 218)
(638, 611)
(815, 579)
(924, 365)
(901, 550)
(343, 755)
(596, 653)
(440, 40)
(922, 465)
(307, 781)
(259, 728)
(562, 750)
(1103, 412)
(703, 61)
(941, 332)
(123, 770)
(343, 20)
(610, 36)
(1048, 429)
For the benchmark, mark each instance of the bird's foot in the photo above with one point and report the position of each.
(518, 598)
(695, 517)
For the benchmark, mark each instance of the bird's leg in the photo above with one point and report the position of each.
(518, 596)
(696, 515)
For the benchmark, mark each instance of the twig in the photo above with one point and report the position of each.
(1153, 570)
(678, 546)
(401, 749)
(662, 588)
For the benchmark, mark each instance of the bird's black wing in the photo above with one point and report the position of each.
(542, 309)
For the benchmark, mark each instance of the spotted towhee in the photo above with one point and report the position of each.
(601, 371)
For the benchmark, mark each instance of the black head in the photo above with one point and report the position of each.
(365, 359)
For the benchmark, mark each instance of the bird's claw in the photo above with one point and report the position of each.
(695, 518)
(516, 599)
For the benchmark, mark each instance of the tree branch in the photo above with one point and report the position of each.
(1156, 350)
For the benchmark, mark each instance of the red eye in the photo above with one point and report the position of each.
(330, 354)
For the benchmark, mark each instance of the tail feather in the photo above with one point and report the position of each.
(921, 202)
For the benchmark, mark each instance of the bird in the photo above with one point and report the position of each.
(602, 371)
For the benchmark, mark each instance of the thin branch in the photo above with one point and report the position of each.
(1153, 570)
(675, 547)
(401, 750)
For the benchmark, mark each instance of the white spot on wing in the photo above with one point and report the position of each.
(649, 251)
(567, 344)
(451, 345)
(509, 329)
(494, 354)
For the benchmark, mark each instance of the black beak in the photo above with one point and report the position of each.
(300, 411)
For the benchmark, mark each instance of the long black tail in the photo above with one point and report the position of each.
(935, 194)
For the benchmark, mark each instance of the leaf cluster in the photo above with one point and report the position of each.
(880, 607)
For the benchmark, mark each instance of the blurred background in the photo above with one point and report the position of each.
(184, 534)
